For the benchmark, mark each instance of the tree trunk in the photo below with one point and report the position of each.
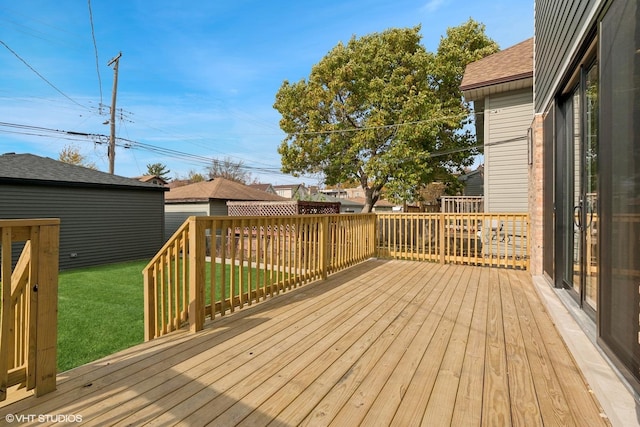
(371, 196)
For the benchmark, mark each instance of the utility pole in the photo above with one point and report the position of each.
(112, 140)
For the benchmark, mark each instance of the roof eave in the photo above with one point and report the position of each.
(484, 89)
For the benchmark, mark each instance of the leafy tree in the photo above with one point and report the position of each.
(381, 110)
(194, 176)
(71, 154)
(228, 169)
(158, 169)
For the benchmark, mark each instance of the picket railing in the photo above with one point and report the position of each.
(462, 204)
(215, 265)
(28, 314)
(473, 238)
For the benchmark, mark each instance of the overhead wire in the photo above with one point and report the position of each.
(120, 142)
(205, 160)
(95, 49)
(42, 77)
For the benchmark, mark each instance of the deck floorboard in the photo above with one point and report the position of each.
(383, 343)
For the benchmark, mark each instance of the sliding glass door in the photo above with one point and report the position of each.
(579, 189)
(619, 224)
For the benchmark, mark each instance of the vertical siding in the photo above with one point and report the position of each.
(507, 119)
(97, 225)
(559, 25)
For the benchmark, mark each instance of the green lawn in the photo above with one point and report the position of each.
(101, 310)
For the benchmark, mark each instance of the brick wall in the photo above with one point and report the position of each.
(536, 207)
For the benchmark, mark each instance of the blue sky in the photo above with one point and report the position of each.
(197, 80)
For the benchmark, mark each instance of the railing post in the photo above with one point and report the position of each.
(5, 314)
(373, 235)
(150, 305)
(197, 254)
(324, 243)
(441, 239)
(47, 309)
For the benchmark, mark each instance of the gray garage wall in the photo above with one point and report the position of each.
(99, 225)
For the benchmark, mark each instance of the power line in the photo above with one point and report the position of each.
(120, 142)
(95, 49)
(195, 158)
(42, 77)
(390, 126)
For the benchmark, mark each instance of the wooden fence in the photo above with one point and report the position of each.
(473, 238)
(28, 316)
(215, 265)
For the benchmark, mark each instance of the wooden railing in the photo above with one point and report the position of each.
(473, 238)
(28, 316)
(462, 204)
(215, 265)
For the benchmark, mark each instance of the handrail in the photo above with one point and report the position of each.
(490, 239)
(215, 265)
(28, 319)
(166, 285)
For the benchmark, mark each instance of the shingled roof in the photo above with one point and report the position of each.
(218, 188)
(32, 169)
(509, 69)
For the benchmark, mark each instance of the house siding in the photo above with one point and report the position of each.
(97, 225)
(176, 214)
(474, 185)
(560, 26)
(507, 119)
(218, 208)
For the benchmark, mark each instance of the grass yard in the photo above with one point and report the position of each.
(101, 310)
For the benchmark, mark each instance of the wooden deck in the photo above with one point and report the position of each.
(384, 343)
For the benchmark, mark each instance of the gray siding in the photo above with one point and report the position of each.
(218, 208)
(559, 26)
(97, 225)
(474, 185)
(177, 213)
(507, 119)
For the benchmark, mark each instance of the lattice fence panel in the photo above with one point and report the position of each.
(294, 207)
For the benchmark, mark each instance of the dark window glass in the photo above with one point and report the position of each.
(620, 181)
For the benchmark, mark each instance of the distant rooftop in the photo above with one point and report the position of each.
(218, 188)
(32, 169)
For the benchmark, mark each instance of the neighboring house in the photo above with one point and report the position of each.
(346, 205)
(292, 191)
(355, 192)
(501, 88)
(351, 205)
(153, 179)
(267, 188)
(338, 193)
(585, 171)
(379, 206)
(207, 198)
(473, 182)
(103, 218)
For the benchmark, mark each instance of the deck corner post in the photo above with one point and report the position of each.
(197, 255)
(47, 309)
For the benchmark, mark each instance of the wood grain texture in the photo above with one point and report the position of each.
(382, 343)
